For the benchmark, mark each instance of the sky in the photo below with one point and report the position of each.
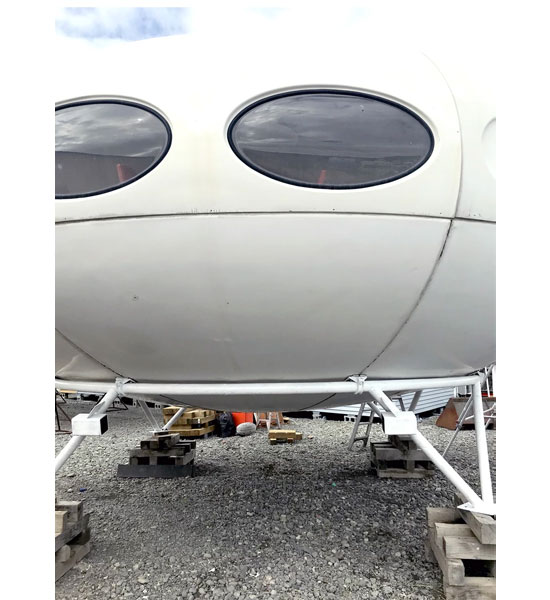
(105, 25)
(422, 21)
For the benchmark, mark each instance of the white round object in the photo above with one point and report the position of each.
(203, 269)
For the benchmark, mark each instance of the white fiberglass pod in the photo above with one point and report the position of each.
(303, 221)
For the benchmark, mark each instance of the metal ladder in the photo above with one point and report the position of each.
(268, 420)
(365, 438)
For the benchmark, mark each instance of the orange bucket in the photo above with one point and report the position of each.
(242, 417)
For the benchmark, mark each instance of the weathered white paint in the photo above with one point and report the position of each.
(205, 270)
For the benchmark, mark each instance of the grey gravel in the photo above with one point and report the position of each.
(292, 521)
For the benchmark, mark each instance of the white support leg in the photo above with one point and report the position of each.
(384, 401)
(174, 419)
(476, 502)
(369, 427)
(481, 441)
(99, 409)
(459, 423)
(415, 400)
(148, 414)
(353, 438)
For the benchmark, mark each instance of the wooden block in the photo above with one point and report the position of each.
(448, 417)
(74, 509)
(442, 515)
(190, 432)
(160, 441)
(428, 552)
(165, 436)
(467, 547)
(282, 434)
(175, 451)
(162, 459)
(71, 532)
(459, 530)
(418, 473)
(452, 568)
(476, 588)
(402, 444)
(282, 441)
(188, 422)
(78, 552)
(63, 554)
(189, 413)
(388, 452)
(483, 526)
(60, 521)
(199, 413)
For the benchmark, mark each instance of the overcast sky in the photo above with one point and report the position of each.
(423, 22)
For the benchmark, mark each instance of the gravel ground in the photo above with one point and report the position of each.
(300, 521)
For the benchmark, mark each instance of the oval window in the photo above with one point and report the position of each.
(330, 139)
(104, 145)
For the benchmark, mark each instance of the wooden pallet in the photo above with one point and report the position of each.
(164, 455)
(194, 432)
(195, 417)
(468, 565)
(400, 459)
(283, 436)
(72, 536)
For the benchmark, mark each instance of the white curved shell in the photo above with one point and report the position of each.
(206, 270)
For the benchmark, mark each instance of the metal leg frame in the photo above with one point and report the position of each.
(490, 413)
(465, 410)
(485, 503)
(169, 423)
(459, 423)
(474, 502)
(152, 421)
(415, 400)
(396, 422)
(99, 409)
(482, 452)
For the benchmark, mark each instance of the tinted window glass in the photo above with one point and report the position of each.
(330, 140)
(102, 146)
